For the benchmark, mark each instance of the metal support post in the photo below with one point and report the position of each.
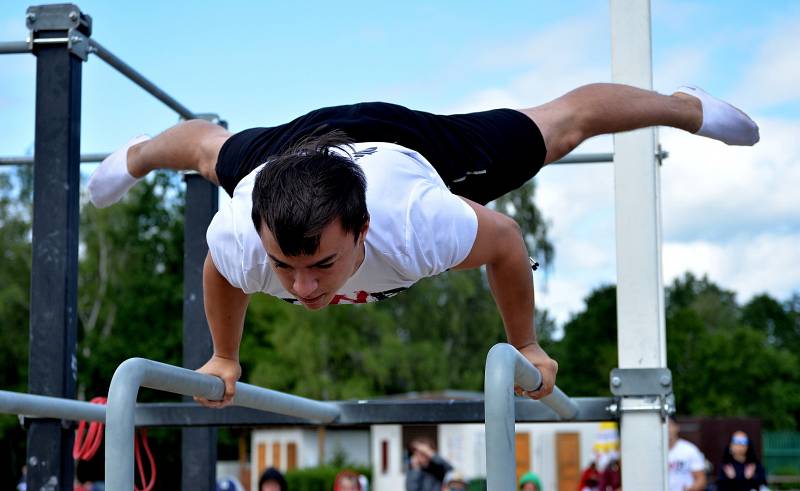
(640, 294)
(198, 445)
(505, 366)
(54, 273)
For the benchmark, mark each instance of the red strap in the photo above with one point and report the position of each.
(85, 449)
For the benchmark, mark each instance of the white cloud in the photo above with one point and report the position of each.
(748, 266)
(715, 192)
(729, 212)
(773, 77)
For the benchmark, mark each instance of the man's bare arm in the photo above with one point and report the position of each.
(500, 246)
(225, 307)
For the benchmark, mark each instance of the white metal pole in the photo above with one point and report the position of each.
(640, 292)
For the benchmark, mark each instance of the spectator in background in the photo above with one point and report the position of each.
(427, 469)
(346, 481)
(611, 478)
(740, 469)
(686, 463)
(454, 481)
(590, 479)
(530, 482)
(272, 480)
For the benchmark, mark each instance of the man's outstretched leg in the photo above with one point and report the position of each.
(191, 145)
(599, 109)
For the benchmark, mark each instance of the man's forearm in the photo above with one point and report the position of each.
(511, 282)
(225, 308)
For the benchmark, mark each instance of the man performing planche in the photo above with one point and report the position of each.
(353, 204)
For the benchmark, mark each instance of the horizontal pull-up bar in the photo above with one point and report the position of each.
(13, 47)
(139, 79)
(115, 62)
(138, 372)
(88, 158)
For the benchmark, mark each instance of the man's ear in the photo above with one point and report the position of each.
(364, 228)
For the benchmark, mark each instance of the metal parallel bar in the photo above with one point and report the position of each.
(140, 80)
(14, 47)
(198, 445)
(352, 413)
(505, 366)
(32, 405)
(367, 413)
(137, 372)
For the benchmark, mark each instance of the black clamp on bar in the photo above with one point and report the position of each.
(653, 385)
(49, 23)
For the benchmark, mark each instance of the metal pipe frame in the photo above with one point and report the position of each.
(353, 414)
(50, 407)
(138, 372)
(505, 367)
(139, 79)
(583, 158)
(14, 47)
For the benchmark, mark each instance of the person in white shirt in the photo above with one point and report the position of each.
(317, 221)
(687, 465)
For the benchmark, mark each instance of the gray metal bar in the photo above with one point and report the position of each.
(582, 158)
(50, 407)
(26, 160)
(137, 372)
(14, 47)
(367, 413)
(586, 158)
(140, 79)
(505, 366)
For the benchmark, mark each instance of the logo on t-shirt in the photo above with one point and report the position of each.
(358, 297)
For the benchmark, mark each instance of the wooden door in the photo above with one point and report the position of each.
(522, 442)
(568, 461)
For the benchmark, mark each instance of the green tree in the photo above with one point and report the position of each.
(588, 351)
(15, 229)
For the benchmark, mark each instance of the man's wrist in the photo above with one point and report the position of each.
(523, 343)
(226, 356)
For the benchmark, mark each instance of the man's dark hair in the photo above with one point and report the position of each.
(299, 192)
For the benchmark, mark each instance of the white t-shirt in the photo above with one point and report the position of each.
(683, 459)
(417, 228)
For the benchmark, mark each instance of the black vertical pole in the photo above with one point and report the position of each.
(198, 445)
(54, 274)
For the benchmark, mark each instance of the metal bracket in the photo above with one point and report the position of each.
(44, 21)
(641, 381)
(661, 155)
(664, 405)
(651, 386)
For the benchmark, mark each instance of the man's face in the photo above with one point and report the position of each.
(315, 279)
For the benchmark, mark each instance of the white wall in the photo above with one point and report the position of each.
(393, 479)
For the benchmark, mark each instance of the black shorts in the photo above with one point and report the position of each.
(480, 156)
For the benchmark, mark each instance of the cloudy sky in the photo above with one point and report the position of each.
(731, 213)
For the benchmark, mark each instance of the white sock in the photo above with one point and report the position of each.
(111, 180)
(722, 121)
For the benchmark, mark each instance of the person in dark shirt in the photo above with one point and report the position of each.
(740, 469)
(427, 469)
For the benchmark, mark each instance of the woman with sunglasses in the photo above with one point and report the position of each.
(740, 469)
